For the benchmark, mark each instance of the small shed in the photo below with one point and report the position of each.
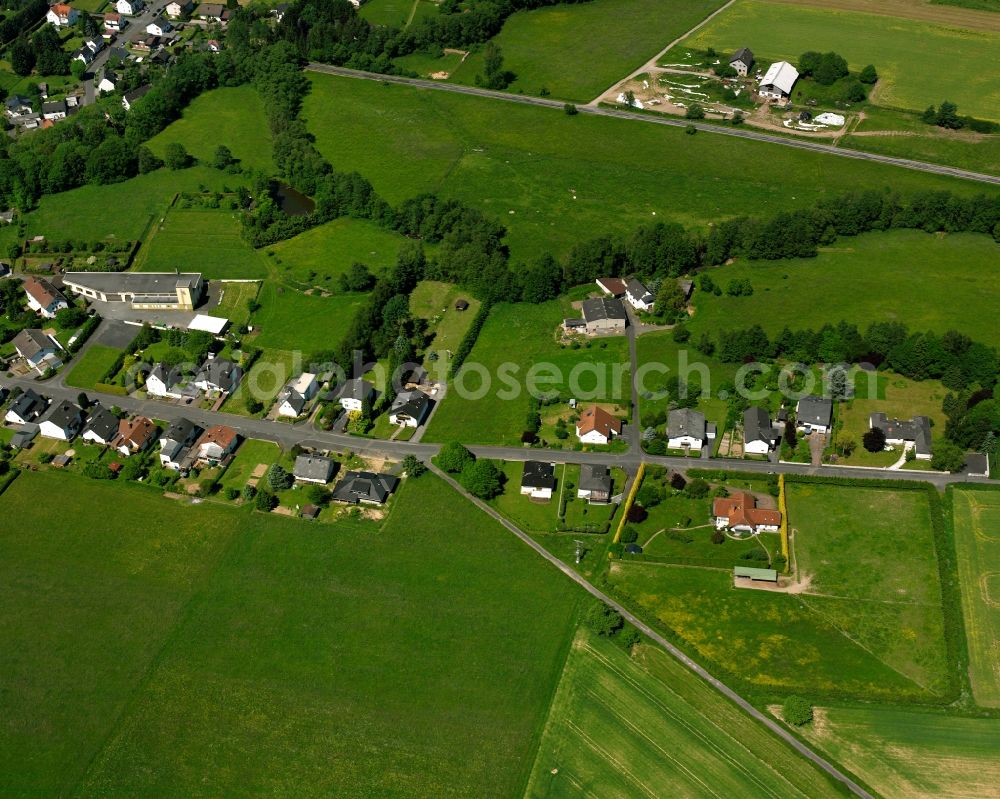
(633, 549)
(60, 461)
(755, 575)
(24, 436)
(309, 511)
(461, 305)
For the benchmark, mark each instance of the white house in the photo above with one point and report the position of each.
(595, 484)
(814, 413)
(410, 408)
(113, 22)
(56, 109)
(313, 469)
(597, 426)
(741, 61)
(62, 14)
(102, 426)
(686, 429)
(159, 27)
(353, 393)
(778, 81)
(107, 82)
(62, 421)
(759, 435)
(218, 374)
(25, 408)
(638, 295)
(176, 442)
(216, 443)
(294, 396)
(43, 297)
(36, 348)
(130, 7)
(177, 8)
(538, 480)
(740, 513)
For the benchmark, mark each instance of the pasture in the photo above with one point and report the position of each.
(435, 301)
(234, 303)
(202, 240)
(909, 755)
(622, 726)
(567, 50)
(977, 542)
(851, 280)
(867, 559)
(481, 391)
(88, 370)
(152, 661)
(916, 60)
(231, 116)
(555, 180)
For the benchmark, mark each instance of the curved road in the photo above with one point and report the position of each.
(739, 133)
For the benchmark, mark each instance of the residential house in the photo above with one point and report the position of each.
(119, 55)
(687, 286)
(159, 27)
(26, 408)
(176, 442)
(742, 61)
(212, 12)
(102, 426)
(410, 408)
(130, 98)
(56, 109)
(114, 22)
(814, 413)
(604, 315)
(134, 435)
(597, 426)
(17, 105)
(161, 291)
(612, 286)
(218, 374)
(163, 381)
(161, 57)
(314, 469)
(63, 420)
(759, 435)
(686, 429)
(366, 488)
(94, 43)
(638, 295)
(538, 480)
(43, 297)
(130, 7)
(294, 396)
(61, 15)
(178, 8)
(739, 513)
(85, 56)
(915, 433)
(37, 349)
(106, 82)
(278, 12)
(976, 465)
(595, 484)
(216, 444)
(213, 46)
(354, 393)
(778, 81)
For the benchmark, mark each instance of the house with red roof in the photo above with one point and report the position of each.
(740, 514)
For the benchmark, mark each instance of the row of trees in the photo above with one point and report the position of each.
(946, 116)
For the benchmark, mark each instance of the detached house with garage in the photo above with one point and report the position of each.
(538, 480)
(219, 375)
(687, 429)
(293, 397)
(216, 444)
(38, 350)
(814, 413)
(43, 297)
(354, 393)
(740, 514)
(366, 488)
(597, 426)
(62, 421)
(915, 433)
(26, 408)
(134, 435)
(595, 484)
(102, 426)
(314, 469)
(176, 443)
(410, 408)
(759, 435)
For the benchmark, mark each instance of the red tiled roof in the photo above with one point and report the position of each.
(41, 291)
(219, 434)
(741, 509)
(613, 285)
(62, 9)
(596, 418)
(135, 433)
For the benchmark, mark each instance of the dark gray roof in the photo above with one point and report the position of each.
(813, 410)
(687, 286)
(685, 422)
(22, 437)
(65, 415)
(103, 423)
(165, 283)
(356, 388)
(917, 430)
(538, 474)
(135, 94)
(292, 397)
(595, 478)
(59, 106)
(414, 404)
(365, 487)
(28, 405)
(599, 308)
(220, 372)
(638, 290)
(17, 101)
(30, 341)
(976, 463)
(757, 426)
(314, 467)
(743, 55)
(181, 431)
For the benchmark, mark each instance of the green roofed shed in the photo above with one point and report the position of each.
(763, 575)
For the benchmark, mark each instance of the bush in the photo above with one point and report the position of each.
(603, 620)
(796, 711)
(629, 637)
(265, 502)
(248, 492)
(571, 110)
(694, 111)
(482, 479)
(413, 466)
(697, 488)
(636, 514)
(232, 493)
(454, 457)
(874, 439)
(278, 478)
(629, 535)
(718, 537)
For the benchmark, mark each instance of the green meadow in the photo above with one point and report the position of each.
(555, 180)
(919, 63)
(889, 276)
(150, 659)
(89, 370)
(292, 320)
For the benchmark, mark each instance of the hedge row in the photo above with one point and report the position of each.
(85, 332)
(469, 339)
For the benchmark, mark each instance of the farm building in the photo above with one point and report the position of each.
(538, 480)
(741, 61)
(778, 81)
(604, 315)
(612, 286)
(755, 575)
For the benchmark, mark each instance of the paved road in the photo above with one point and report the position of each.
(686, 661)
(739, 133)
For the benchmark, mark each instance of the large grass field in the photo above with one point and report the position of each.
(625, 726)
(435, 301)
(202, 240)
(230, 116)
(893, 276)
(291, 320)
(96, 360)
(909, 755)
(577, 51)
(977, 541)
(224, 652)
(919, 64)
(554, 179)
(869, 560)
(523, 337)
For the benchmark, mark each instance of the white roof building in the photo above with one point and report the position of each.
(778, 80)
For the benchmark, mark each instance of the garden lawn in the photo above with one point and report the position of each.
(435, 301)
(363, 656)
(264, 379)
(568, 179)
(527, 513)
(576, 51)
(518, 338)
(306, 323)
(621, 727)
(230, 116)
(916, 61)
(759, 639)
(892, 276)
(904, 754)
(202, 240)
(393, 13)
(867, 556)
(977, 542)
(89, 370)
(249, 456)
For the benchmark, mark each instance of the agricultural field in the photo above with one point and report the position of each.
(397, 13)
(202, 240)
(89, 370)
(567, 50)
(977, 542)
(909, 755)
(308, 323)
(556, 180)
(226, 631)
(915, 60)
(230, 116)
(852, 277)
(625, 725)
(534, 328)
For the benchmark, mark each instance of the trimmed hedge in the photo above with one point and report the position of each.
(470, 337)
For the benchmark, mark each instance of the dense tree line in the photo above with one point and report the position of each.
(26, 15)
